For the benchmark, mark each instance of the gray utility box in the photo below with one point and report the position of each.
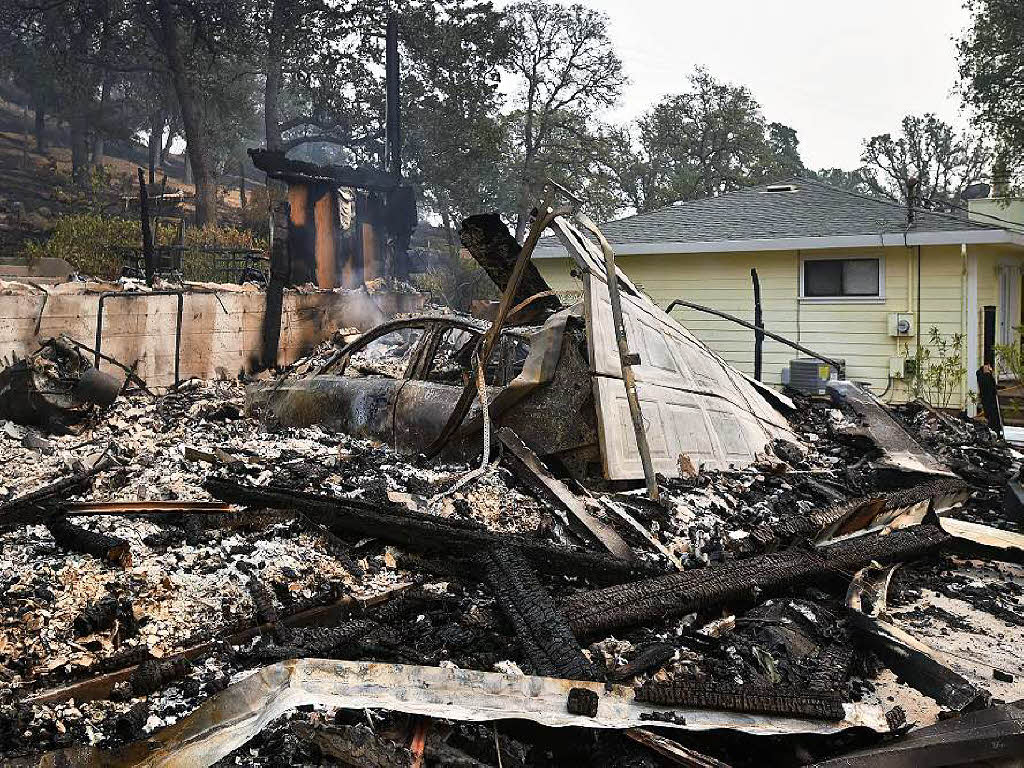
(808, 375)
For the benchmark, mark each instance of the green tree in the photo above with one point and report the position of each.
(566, 70)
(991, 59)
(943, 161)
(708, 140)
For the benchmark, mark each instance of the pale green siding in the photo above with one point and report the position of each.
(855, 330)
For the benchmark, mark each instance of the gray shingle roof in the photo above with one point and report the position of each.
(815, 209)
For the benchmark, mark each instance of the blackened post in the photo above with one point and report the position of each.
(989, 356)
(280, 274)
(147, 232)
(393, 127)
(758, 335)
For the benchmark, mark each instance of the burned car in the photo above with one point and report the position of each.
(558, 386)
(399, 383)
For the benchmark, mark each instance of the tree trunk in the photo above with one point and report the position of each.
(273, 74)
(188, 169)
(195, 133)
(165, 148)
(106, 83)
(156, 130)
(241, 181)
(79, 153)
(40, 130)
(523, 214)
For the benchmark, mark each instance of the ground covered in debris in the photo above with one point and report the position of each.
(118, 624)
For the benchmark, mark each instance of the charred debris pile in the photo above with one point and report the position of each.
(187, 580)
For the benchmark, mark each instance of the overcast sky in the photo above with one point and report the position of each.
(837, 71)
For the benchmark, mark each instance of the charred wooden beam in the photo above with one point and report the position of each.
(637, 602)
(545, 637)
(545, 486)
(312, 642)
(276, 165)
(420, 531)
(911, 659)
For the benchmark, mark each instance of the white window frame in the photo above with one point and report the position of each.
(879, 299)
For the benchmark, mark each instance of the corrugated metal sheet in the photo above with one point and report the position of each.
(693, 402)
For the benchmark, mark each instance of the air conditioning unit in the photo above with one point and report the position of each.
(809, 376)
(901, 324)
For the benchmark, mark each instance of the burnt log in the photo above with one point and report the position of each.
(547, 641)
(77, 539)
(634, 603)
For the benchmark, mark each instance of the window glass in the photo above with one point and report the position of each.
(860, 277)
(823, 278)
(841, 277)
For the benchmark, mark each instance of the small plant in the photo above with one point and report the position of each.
(938, 369)
(458, 283)
(1010, 364)
(1010, 360)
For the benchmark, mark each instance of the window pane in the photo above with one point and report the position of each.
(823, 278)
(860, 277)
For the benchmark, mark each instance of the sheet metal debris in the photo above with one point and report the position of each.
(235, 715)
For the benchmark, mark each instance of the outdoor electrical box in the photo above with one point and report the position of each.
(897, 367)
(901, 324)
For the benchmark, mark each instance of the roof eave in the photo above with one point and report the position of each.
(951, 237)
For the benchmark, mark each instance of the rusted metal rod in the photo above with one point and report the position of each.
(626, 358)
(840, 367)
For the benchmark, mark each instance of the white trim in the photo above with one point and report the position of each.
(877, 299)
(952, 237)
(971, 257)
(841, 299)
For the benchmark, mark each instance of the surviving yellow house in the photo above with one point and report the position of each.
(845, 275)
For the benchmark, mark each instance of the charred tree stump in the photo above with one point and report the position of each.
(487, 238)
